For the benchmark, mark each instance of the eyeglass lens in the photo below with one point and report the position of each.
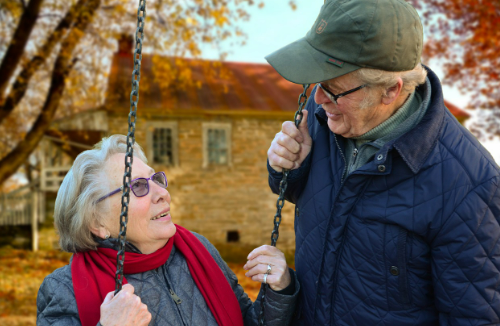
(331, 96)
(160, 179)
(140, 186)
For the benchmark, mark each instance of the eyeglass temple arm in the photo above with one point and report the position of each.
(351, 91)
(110, 194)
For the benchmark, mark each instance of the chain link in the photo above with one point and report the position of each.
(129, 156)
(281, 199)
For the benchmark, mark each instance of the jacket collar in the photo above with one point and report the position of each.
(114, 243)
(416, 145)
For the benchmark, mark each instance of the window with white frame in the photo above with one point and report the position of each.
(216, 144)
(162, 143)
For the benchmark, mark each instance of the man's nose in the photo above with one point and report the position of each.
(320, 97)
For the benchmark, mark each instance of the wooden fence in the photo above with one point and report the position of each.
(24, 206)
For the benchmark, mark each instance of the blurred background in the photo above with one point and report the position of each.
(209, 107)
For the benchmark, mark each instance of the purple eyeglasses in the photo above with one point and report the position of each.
(140, 186)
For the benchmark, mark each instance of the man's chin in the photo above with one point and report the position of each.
(337, 127)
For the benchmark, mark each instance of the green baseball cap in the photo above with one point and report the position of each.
(352, 34)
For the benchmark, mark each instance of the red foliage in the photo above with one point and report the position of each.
(466, 34)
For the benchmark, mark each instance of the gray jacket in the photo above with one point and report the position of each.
(169, 292)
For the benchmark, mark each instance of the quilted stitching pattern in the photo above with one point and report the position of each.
(57, 306)
(439, 227)
(52, 302)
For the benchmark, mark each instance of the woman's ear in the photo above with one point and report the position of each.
(393, 92)
(99, 230)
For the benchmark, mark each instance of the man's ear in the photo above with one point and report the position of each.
(392, 93)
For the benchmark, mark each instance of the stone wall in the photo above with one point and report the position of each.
(217, 199)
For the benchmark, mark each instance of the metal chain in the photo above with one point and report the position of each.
(136, 76)
(129, 157)
(281, 198)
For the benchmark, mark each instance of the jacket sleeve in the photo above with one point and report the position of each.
(56, 303)
(466, 260)
(296, 178)
(278, 309)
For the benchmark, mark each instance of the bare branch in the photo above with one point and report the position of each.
(21, 84)
(16, 47)
(50, 16)
(109, 7)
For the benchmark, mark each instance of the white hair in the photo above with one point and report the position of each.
(75, 209)
(379, 81)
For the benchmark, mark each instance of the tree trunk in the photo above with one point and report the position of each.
(21, 84)
(16, 47)
(10, 163)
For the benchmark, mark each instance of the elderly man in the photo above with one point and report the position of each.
(397, 205)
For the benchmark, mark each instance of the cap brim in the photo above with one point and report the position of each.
(301, 63)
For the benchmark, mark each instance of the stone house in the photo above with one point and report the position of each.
(212, 143)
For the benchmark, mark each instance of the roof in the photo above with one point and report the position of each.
(456, 111)
(247, 89)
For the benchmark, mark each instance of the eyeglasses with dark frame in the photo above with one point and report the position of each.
(140, 186)
(334, 97)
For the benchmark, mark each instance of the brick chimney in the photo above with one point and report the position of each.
(125, 45)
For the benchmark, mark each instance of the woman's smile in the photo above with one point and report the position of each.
(165, 216)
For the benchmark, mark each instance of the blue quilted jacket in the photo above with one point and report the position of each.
(410, 238)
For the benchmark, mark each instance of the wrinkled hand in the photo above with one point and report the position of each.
(290, 146)
(279, 277)
(124, 309)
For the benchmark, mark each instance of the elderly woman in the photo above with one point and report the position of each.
(173, 276)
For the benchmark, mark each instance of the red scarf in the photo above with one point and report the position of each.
(93, 275)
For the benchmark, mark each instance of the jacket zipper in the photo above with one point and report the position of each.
(353, 161)
(345, 161)
(331, 213)
(173, 295)
(341, 247)
(345, 226)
